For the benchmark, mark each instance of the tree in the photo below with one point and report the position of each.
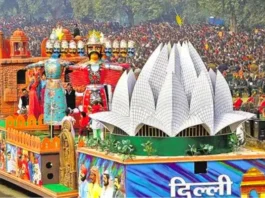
(236, 11)
(29, 7)
(83, 8)
(57, 8)
(111, 9)
(8, 7)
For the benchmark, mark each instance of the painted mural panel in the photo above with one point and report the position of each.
(2, 151)
(35, 167)
(28, 164)
(11, 159)
(222, 179)
(100, 177)
(23, 163)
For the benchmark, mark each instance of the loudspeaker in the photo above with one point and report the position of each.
(259, 129)
(50, 168)
(249, 126)
(200, 167)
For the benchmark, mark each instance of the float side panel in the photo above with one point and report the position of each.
(88, 164)
(176, 146)
(153, 180)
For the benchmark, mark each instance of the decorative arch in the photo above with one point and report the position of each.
(253, 181)
(68, 174)
(194, 131)
(253, 193)
(149, 131)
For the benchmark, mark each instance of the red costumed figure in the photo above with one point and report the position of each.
(83, 124)
(250, 99)
(34, 104)
(25, 168)
(262, 106)
(237, 103)
(254, 98)
(42, 88)
(96, 77)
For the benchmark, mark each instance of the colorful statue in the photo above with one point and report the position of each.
(108, 49)
(72, 48)
(94, 73)
(56, 47)
(49, 47)
(131, 49)
(80, 48)
(115, 49)
(54, 99)
(64, 48)
(123, 52)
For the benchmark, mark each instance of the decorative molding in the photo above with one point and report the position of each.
(31, 142)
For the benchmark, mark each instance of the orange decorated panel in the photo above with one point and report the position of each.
(56, 143)
(46, 144)
(10, 121)
(20, 123)
(31, 142)
(41, 120)
(31, 121)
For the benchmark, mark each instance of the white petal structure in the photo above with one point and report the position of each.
(198, 64)
(196, 59)
(121, 100)
(172, 107)
(147, 69)
(131, 80)
(174, 91)
(172, 60)
(188, 71)
(223, 98)
(158, 73)
(212, 75)
(201, 105)
(142, 104)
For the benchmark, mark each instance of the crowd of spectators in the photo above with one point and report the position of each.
(239, 53)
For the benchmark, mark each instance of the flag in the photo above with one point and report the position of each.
(206, 46)
(179, 20)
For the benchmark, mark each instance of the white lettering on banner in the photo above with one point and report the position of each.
(209, 188)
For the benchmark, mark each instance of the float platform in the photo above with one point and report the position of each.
(236, 174)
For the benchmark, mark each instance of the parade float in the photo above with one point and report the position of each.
(170, 133)
(38, 152)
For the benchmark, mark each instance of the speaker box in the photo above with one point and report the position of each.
(200, 167)
(50, 168)
(259, 129)
(249, 127)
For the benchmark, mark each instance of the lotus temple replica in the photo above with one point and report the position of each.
(170, 132)
(173, 93)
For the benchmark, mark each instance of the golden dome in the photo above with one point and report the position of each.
(19, 36)
(18, 33)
